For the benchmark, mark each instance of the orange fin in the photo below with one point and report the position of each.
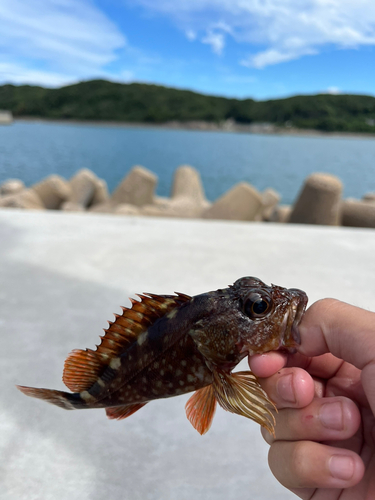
(241, 393)
(120, 412)
(200, 409)
(83, 367)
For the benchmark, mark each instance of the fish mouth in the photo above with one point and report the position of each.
(290, 337)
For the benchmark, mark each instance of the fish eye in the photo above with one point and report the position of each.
(257, 305)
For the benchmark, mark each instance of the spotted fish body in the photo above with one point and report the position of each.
(167, 345)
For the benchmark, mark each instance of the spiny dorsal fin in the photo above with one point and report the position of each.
(241, 393)
(200, 409)
(83, 367)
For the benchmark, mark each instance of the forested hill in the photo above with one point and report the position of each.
(135, 102)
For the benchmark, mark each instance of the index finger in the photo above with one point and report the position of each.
(346, 331)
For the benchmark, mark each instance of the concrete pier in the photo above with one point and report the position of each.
(62, 276)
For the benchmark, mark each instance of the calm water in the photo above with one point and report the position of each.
(31, 151)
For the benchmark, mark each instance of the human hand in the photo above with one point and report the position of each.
(324, 446)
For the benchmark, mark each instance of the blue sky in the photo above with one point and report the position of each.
(238, 48)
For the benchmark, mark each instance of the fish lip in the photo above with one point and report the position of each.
(284, 325)
(297, 320)
(290, 335)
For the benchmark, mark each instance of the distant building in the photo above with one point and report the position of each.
(6, 117)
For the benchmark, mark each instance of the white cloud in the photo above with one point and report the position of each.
(57, 39)
(285, 29)
(216, 40)
(274, 56)
(19, 74)
(191, 35)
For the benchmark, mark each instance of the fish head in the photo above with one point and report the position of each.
(270, 316)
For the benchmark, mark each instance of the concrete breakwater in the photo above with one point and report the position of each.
(6, 117)
(319, 201)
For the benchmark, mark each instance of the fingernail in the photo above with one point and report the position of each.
(341, 467)
(330, 415)
(285, 388)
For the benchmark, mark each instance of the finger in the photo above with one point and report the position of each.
(327, 419)
(306, 464)
(342, 329)
(289, 388)
(264, 365)
(347, 382)
(347, 332)
(324, 366)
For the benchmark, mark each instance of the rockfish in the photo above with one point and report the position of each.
(167, 345)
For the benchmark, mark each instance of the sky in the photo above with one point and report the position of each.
(235, 48)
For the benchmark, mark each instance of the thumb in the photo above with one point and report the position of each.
(346, 331)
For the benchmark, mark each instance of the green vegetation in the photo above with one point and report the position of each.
(135, 102)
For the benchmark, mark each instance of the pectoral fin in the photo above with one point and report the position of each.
(241, 393)
(200, 409)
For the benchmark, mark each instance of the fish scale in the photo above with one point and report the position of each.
(167, 345)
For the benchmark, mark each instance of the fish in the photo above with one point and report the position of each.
(168, 345)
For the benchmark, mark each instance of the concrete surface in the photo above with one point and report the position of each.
(63, 275)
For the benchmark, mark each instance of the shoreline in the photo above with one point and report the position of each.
(227, 127)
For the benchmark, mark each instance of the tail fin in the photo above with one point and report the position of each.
(58, 398)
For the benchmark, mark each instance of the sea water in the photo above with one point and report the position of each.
(32, 150)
